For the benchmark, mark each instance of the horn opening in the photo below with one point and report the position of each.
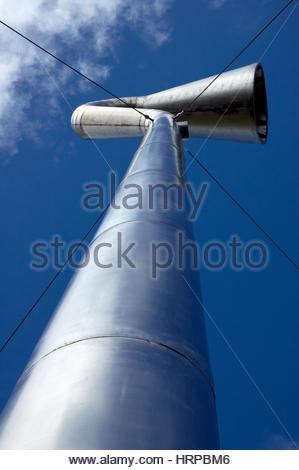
(260, 104)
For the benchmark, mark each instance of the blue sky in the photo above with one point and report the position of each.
(44, 165)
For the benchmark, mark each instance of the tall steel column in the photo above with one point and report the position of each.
(124, 363)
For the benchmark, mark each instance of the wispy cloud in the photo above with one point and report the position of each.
(280, 442)
(83, 32)
(215, 4)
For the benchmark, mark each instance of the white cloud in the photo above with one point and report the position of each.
(215, 4)
(282, 442)
(84, 32)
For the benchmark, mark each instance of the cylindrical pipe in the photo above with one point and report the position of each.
(231, 106)
(124, 362)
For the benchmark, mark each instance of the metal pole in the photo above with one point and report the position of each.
(124, 363)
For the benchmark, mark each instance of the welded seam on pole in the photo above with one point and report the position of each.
(141, 219)
(180, 179)
(133, 338)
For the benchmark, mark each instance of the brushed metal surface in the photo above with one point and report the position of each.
(233, 108)
(123, 363)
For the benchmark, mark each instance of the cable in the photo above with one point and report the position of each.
(74, 70)
(239, 54)
(123, 101)
(147, 117)
(242, 208)
(52, 280)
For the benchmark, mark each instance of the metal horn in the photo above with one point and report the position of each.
(233, 107)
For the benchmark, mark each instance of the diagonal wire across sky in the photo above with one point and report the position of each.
(194, 159)
(47, 287)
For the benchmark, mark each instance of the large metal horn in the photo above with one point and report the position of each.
(233, 107)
